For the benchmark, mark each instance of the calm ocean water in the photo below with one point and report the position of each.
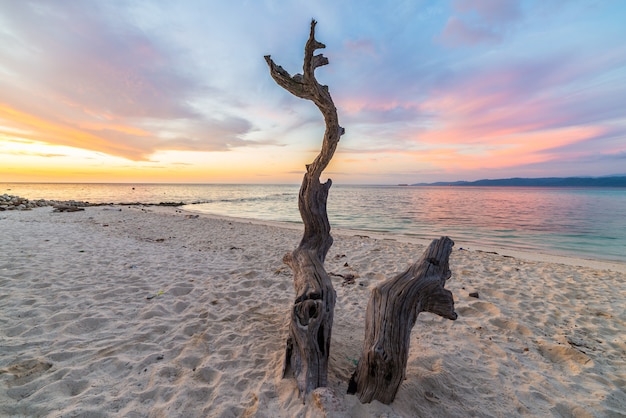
(588, 223)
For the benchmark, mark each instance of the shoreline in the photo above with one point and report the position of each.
(510, 248)
(386, 235)
(11, 202)
(156, 311)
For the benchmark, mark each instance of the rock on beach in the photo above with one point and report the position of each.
(11, 202)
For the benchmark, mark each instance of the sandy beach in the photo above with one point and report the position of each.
(120, 311)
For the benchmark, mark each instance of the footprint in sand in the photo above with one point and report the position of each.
(510, 325)
(208, 375)
(26, 371)
(570, 359)
(85, 325)
(479, 308)
(181, 289)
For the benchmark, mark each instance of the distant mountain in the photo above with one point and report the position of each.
(613, 181)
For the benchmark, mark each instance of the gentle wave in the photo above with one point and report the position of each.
(587, 223)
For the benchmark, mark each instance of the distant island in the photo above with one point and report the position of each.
(613, 181)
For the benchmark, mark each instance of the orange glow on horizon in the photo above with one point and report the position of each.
(32, 161)
(56, 133)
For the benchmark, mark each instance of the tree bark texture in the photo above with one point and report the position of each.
(308, 344)
(391, 313)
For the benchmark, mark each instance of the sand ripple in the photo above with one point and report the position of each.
(146, 312)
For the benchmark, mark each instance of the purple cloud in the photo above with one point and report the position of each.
(82, 58)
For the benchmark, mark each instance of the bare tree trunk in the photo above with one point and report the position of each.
(308, 344)
(391, 313)
(394, 305)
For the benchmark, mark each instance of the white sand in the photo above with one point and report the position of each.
(78, 337)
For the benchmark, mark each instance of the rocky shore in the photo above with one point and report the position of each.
(11, 202)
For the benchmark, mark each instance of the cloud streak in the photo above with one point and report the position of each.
(102, 85)
(429, 85)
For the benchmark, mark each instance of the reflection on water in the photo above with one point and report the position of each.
(581, 222)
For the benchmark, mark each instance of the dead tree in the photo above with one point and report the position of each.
(391, 313)
(394, 304)
(308, 344)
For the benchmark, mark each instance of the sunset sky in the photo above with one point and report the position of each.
(178, 91)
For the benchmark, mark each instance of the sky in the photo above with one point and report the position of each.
(150, 91)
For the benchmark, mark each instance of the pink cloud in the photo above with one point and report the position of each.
(459, 33)
(507, 151)
(479, 21)
(512, 116)
(83, 79)
(491, 11)
(360, 47)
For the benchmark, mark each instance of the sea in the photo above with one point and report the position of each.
(579, 222)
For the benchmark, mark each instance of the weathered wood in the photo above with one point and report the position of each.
(308, 344)
(391, 313)
(394, 305)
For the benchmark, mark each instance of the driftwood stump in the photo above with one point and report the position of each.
(308, 344)
(391, 313)
(394, 304)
